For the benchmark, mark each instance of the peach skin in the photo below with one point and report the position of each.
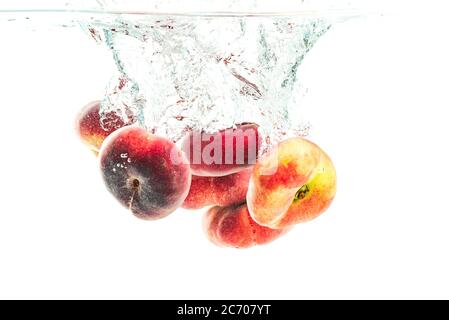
(139, 171)
(218, 191)
(294, 183)
(233, 227)
(89, 128)
(224, 152)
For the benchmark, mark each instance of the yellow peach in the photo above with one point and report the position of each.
(294, 183)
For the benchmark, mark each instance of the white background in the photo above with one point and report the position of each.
(379, 91)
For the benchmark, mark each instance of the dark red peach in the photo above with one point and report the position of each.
(145, 173)
(223, 153)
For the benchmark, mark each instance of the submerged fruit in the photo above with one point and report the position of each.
(140, 171)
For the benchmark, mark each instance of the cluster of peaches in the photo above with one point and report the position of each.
(253, 199)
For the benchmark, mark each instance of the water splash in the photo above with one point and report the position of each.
(180, 72)
(176, 74)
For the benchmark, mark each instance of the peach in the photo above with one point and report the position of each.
(218, 191)
(89, 127)
(223, 153)
(139, 170)
(233, 227)
(293, 184)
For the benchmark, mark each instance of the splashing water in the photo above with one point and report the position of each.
(177, 74)
(208, 72)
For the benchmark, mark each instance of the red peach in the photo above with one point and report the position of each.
(223, 153)
(139, 170)
(294, 183)
(90, 129)
(233, 227)
(218, 191)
